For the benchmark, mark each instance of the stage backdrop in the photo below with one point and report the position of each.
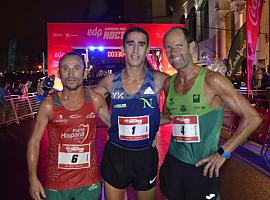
(64, 37)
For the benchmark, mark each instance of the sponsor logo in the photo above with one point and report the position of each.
(76, 149)
(133, 121)
(152, 180)
(210, 196)
(75, 116)
(57, 34)
(60, 119)
(171, 101)
(199, 107)
(196, 98)
(94, 32)
(68, 35)
(184, 120)
(149, 91)
(118, 95)
(123, 105)
(80, 133)
(58, 54)
(253, 11)
(91, 115)
(92, 187)
(183, 108)
(147, 103)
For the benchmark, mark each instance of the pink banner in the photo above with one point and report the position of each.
(64, 37)
(253, 18)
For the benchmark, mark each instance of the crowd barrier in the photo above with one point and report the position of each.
(17, 108)
(262, 134)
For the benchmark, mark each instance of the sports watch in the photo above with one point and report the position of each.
(223, 153)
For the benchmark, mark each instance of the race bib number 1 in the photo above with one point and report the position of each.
(133, 128)
(72, 156)
(186, 128)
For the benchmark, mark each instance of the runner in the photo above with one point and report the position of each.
(195, 101)
(70, 118)
(130, 155)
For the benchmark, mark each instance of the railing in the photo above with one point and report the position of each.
(262, 134)
(17, 108)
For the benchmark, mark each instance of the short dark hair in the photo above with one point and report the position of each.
(186, 32)
(72, 54)
(135, 29)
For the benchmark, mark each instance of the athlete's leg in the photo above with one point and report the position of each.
(146, 195)
(112, 193)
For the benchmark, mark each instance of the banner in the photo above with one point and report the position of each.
(253, 18)
(237, 52)
(64, 37)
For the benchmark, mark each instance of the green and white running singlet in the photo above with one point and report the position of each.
(196, 126)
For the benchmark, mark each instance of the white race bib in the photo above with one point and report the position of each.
(186, 128)
(133, 128)
(73, 156)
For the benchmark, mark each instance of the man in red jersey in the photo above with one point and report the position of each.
(70, 118)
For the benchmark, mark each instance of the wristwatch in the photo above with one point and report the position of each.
(223, 153)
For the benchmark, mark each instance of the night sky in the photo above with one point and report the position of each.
(26, 19)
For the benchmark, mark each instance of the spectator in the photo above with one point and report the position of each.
(265, 83)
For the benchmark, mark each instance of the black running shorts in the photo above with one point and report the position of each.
(121, 167)
(180, 180)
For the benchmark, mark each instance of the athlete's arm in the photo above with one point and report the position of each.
(250, 119)
(104, 87)
(160, 78)
(43, 115)
(101, 108)
(165, 115)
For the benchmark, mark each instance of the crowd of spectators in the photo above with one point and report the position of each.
(18, 84)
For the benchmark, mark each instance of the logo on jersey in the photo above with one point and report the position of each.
(196, 98)
(149, 91)
(75, 116)
(171, 101)
(120, 105)
(91, 115)
(80, 134)
(117, 95)
(60, 119)
(183, 108)
(147, 103)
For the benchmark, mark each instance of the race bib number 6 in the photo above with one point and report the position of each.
(133, 128)
(72, 156)
(186, 128)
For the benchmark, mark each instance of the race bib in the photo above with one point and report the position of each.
(73, 156)
(186, 128)
(133, 128)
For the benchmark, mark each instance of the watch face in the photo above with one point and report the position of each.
(220, 151)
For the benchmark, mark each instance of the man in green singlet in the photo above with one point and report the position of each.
(195, 99)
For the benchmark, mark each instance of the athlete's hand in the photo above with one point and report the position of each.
(212, 164)
(36, 190)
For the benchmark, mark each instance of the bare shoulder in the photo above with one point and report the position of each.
(96, 97)
(45, 108)
(160, 75)
(216, 80)
(160, 78)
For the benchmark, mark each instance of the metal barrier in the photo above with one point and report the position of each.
(18, 107)
(262, 134)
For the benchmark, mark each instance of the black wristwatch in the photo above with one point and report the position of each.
(223, 153)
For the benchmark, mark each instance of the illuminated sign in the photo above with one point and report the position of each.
(115, 54)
